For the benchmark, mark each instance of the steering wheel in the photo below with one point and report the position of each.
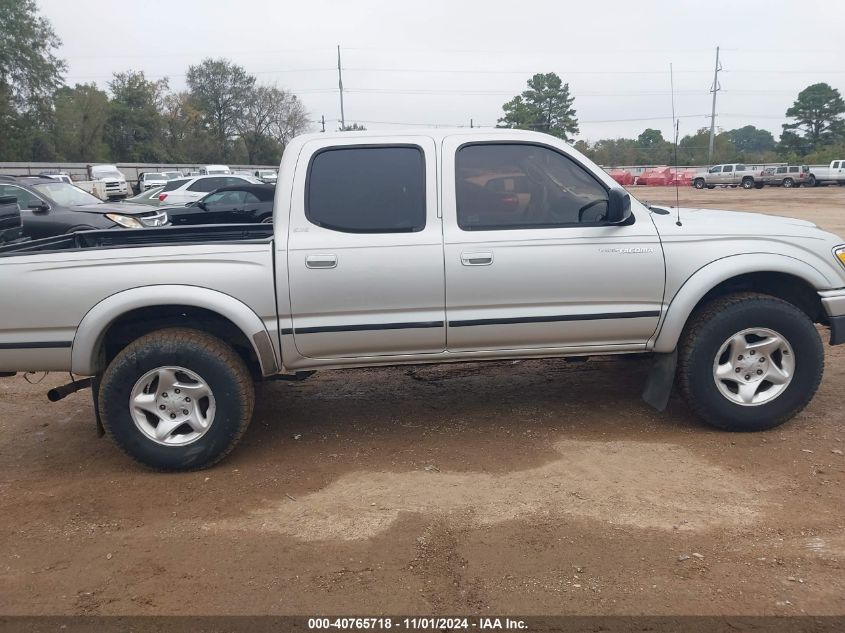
(589, 206)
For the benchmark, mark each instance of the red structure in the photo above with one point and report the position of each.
(622, 176)
(655, 176)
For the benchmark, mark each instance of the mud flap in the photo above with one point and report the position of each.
(661, 378)
(95, 392)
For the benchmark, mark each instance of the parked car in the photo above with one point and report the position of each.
(60, 176)
(112, 177)
(237, 204)
(787, 176)
(184, 190)
(11, 227)
(266, 175)
(151, 180)
(376, 258)
(214, 170)
(172, 175)
(51, 208)
(148, 197)
(732, 174)
(834, 174)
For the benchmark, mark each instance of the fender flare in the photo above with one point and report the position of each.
(711, 275)
(89, 334)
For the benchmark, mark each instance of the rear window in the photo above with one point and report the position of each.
(175, 184)
(793, 170)
(367, 190)
(740, 168)
(210, 184)
(727, 168)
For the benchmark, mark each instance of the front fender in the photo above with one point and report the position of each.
(89, 334)
(711, 275)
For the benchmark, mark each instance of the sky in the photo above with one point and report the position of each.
(449, 62)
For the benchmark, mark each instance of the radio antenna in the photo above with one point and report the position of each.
(675, 130)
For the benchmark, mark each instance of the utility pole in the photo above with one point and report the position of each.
(470, 124)
(714, 89)
(340, 86)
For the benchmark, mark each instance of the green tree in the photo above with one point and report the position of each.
(135, 126)
(545, 107)
(752, 140)
(818, 116)
(80, 118)
(29, 74)
(218, 89)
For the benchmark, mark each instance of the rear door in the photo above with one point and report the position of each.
(365, 250)
(728, 175)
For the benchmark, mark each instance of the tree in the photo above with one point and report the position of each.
(650, 138)
(135, 130)
(750, 139)
(218, 89)
(80, 118)
(818, 115)
(546, 107)
(29, 74)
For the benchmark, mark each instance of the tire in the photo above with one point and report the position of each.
(711, 186)
(701, 356)
(698, 183)
(811, 181)
(788, 183)
(267, 220)
(747, 183)
(197, 363)
(759, 185)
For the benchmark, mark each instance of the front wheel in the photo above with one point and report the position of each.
(747, 183)
(788, 183)
(749, 362)
(811, 181)
(176, 399)
(698, 183)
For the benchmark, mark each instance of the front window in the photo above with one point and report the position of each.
(715, 170)
(65, 195)
(516, 186)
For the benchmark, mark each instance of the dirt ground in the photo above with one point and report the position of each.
(535, 487)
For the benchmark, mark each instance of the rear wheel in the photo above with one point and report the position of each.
(176, 399)
(698, 183)
(788, 183)
(759, 185)
(711, 186)
(749, 362)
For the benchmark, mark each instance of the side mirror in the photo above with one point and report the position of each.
(202, 205)
(618, 206)
(38, 207)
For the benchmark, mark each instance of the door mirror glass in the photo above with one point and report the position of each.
(37, 206)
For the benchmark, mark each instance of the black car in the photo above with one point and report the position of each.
(235, 204)
(51, 207)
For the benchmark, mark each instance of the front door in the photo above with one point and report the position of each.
(530, 263)
(365, 252)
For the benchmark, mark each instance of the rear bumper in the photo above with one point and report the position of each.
(833, 302)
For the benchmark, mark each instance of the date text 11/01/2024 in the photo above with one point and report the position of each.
(418, 623)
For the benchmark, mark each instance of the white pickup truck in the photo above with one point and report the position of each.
(833, 174)
(392, 248)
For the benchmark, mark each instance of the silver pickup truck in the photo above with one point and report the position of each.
(426, 247)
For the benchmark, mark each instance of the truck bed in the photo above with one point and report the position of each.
(128, 238)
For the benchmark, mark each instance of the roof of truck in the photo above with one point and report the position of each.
(436, 133)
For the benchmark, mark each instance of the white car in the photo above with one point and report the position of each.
(151, 180)
(187, 190)
(266, 175)
(214, 170)
(112, 177)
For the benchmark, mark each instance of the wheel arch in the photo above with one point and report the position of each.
(135, 312)
(776, 275)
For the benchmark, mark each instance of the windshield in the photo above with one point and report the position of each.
(155, 177)
(105, 172)
(66, 195)
(266, 173)
(170, 175)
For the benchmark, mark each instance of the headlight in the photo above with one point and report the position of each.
(125, 221)
(840, 254)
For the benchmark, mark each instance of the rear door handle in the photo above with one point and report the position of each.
(484, 258)
(321, 261)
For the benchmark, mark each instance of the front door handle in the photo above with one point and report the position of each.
(321, 261)
(484, 258)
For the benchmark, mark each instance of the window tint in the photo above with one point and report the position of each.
(209, 184)
(175, 184)
(728, 168)
(781, 170)
(24, 197)
(716, 170)
(835, 164)
(226, 198)
(367, 190)
(793, 170)
(515, 186)
(740, 168)
(250, 198)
